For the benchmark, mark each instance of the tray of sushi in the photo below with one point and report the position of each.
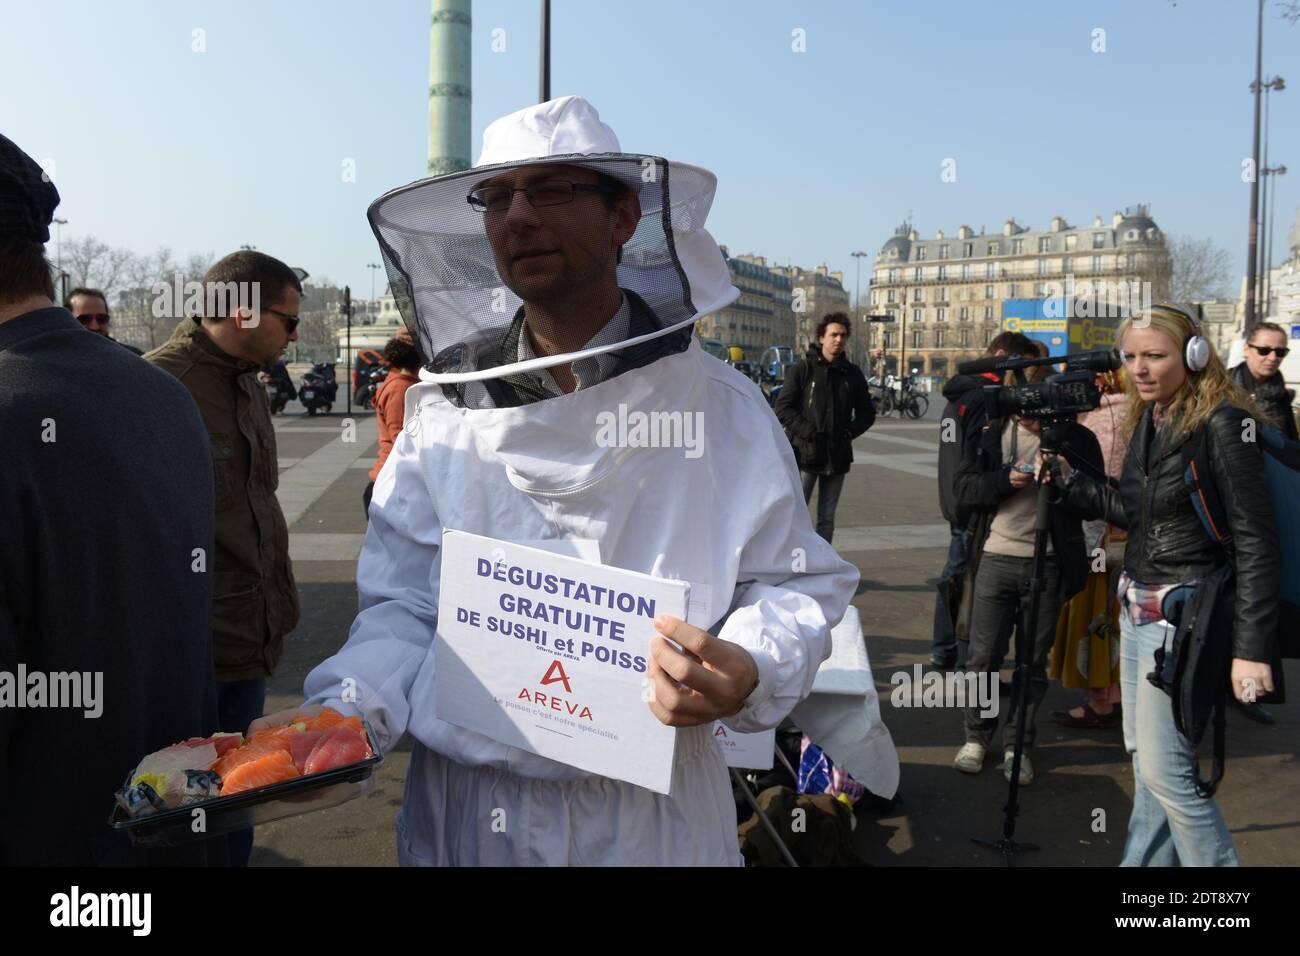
(312, 763)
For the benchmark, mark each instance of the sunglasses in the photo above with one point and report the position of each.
(1265, 350)
(101, 317)
(290, 321)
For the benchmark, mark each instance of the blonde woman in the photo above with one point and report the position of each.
(1181, 391)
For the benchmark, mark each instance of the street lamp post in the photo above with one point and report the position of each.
(857, 293)
(1268, 237)
(347, 317)
(372, 266)
(1252, 231)
(1265, 221)
(544, 80)
(58, 257)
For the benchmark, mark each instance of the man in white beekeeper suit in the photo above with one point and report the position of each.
(557, 280)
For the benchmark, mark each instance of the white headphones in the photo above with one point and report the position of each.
(1197, 353)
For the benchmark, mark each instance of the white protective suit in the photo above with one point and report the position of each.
(731, 521)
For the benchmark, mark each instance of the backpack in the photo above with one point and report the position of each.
(1195, 669)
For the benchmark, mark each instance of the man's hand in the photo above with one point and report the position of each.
(282, 717)
(1250, 680)
(1021, 479)
(710, 680)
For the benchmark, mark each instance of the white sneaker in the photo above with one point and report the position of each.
(970, 759)
(1026, 767)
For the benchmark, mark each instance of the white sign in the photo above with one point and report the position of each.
(745, 751)
(549, 653)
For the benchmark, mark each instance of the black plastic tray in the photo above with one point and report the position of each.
(222, 815)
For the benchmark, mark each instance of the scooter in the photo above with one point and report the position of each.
(318, 388)
(279, 388)
(371, 389)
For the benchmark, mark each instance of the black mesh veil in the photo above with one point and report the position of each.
(457, 272)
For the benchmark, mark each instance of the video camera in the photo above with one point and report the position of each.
(1060, 397)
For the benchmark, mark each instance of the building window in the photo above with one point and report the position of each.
(943, 251)
(1040, 289)
(988, 312)
(918, 295)
(1011, 291)
(941, 314)
(892, 295)
(1099, 240)
(1042, 267)
(1070, 242)
(1130, 262)
(943, 294)
(1067, 265)
(916, 274)
(988, 292)
(916, 339)
(993, 248)
(990, 270)
(988, 337)
(873, 296)
(1017, 246)
(938, 338)
(920, 253)
(968, 249)
(965, 338)
(893, 275)
(943, 272)
(965, 271)
(963, 314)
(889, 340)
(1044, 243)
(1096, 263)
(916, 315)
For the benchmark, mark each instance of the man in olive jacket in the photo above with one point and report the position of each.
(250, 317)
(824, 405)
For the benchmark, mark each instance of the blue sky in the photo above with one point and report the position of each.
(817, 153)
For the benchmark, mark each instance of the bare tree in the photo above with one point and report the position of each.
(95, 264)
(1201, 269)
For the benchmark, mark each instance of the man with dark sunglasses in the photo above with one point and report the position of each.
(90, 308)
(251, 304)
(1259, 375)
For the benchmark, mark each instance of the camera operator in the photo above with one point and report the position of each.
(965, 410)
(997, 485)
(1182, 392)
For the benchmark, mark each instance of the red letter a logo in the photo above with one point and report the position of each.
(556, 673)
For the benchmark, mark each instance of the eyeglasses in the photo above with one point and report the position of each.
(1265, 350)
(102, 318)
(290, 321)
(550, 192)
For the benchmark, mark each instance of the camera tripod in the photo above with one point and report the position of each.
(1050, 448)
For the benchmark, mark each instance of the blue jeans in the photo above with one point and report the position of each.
(1170, 825)
(946, 647)
(239, 703)
(828, 497)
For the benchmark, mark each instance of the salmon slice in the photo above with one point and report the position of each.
(254, 749)
(261, 772)
(338, 748)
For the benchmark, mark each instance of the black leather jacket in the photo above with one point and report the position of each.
(1168, 544)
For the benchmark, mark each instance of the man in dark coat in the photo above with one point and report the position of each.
(105, 544)
(824, 405)
(1259, 375)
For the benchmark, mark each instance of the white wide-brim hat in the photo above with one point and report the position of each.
(443, 273)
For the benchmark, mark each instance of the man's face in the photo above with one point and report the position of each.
(550, 253)
(266, 338)
(92, 312)
(1264, 366)
(833, 341)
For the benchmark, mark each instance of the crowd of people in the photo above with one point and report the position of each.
(185, 589)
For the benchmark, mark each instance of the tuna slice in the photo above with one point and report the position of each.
(223, 742)
(301, 746)
(263, 771)
(337, 748)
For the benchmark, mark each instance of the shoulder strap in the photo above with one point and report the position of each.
(1199, 477)
(1205, 788)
